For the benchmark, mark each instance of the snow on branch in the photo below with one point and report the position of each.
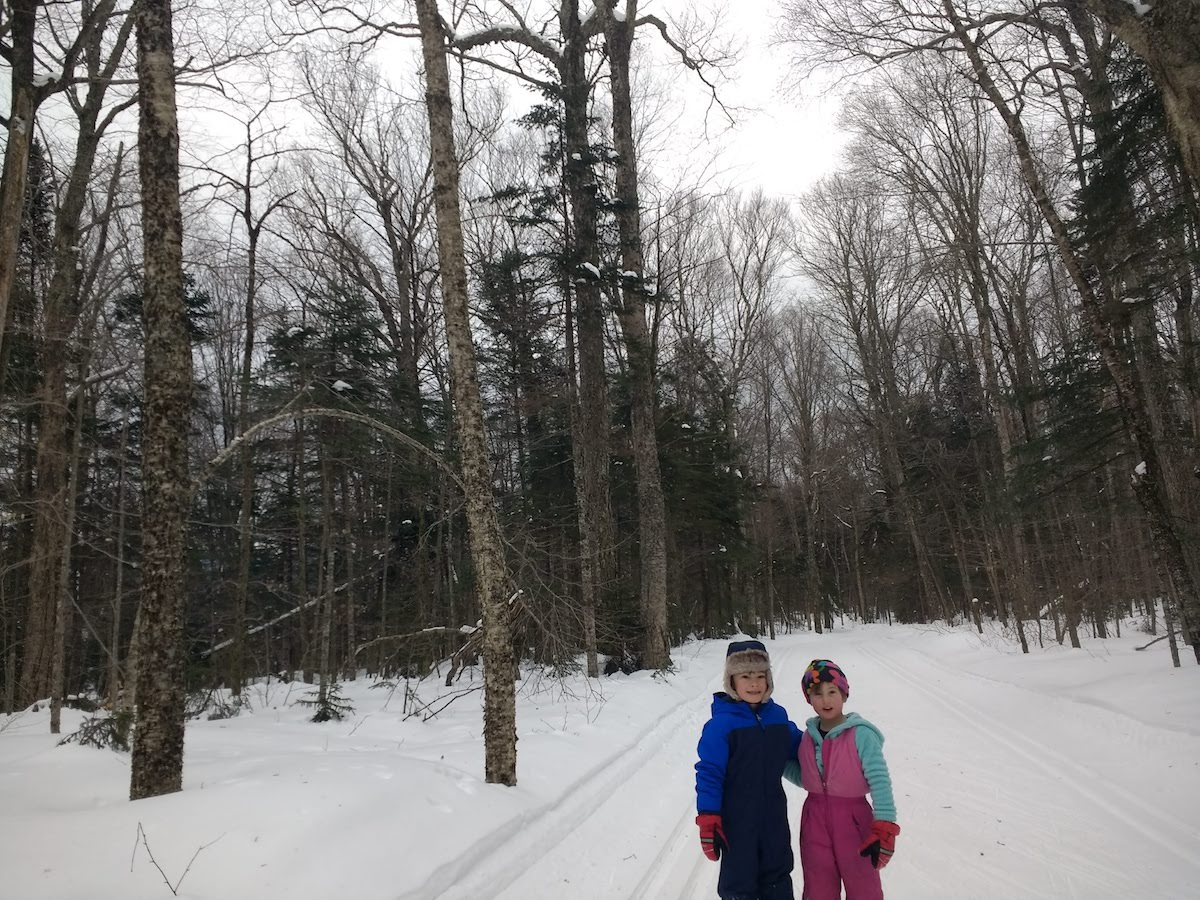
(318, 412)
(499, 34)
(257, 628)
(424, 632)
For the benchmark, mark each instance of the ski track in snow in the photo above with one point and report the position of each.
(530, 845)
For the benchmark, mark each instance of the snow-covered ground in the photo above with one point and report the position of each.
(1061, 774)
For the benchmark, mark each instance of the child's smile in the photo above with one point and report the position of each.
(751, 687)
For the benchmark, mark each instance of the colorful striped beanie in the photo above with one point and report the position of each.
(822, 670)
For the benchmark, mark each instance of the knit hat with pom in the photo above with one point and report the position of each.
(743, 657)
(821, 670)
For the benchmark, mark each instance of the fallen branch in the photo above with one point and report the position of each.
(1157, 639)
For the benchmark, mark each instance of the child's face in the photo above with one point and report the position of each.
(751, 687)
(827, 701)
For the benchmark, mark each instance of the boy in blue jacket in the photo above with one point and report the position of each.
(740, 804)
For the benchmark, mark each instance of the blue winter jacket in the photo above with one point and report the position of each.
(742, 754)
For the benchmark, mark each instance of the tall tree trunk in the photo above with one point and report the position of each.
(49, 503)
(117, 698)
(63, 581)
(237, 659)
(349, 662)
(591, 443)
(588, 562)
(652, 519)
(157, 757)
(385, 561)
(325, 583)
(50, 500)
(487, 550)
(299, 487)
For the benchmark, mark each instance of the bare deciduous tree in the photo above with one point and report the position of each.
(635, 286)
(487, 551)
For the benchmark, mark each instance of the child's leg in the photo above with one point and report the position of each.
(776, 859)
(739, 865)
(817, 863)
(859, 876)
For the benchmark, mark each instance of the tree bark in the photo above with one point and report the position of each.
(157, 757)
(487, 550)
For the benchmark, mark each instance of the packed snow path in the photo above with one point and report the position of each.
(1061, 774)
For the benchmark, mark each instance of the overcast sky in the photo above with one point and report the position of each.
(782, 141)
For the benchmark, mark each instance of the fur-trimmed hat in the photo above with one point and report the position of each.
(820, 670)
(743, 657)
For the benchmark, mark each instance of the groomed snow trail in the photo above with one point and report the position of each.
(1003, 791)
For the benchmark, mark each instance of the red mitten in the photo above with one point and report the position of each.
(881, 844)
(712, 835)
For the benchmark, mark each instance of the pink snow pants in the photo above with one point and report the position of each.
(831, 831)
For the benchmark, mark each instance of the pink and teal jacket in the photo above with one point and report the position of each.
(847, 762)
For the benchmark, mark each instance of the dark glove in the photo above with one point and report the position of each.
(881, 844)
(712, 835)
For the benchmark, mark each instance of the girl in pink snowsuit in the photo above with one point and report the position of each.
(843, 841)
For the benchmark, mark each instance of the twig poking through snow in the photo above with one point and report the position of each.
(174, 888)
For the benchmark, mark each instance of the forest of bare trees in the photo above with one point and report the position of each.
(443, 370)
